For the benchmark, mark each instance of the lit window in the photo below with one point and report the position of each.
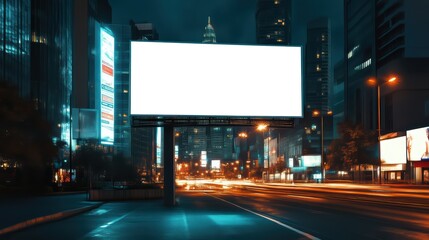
(125, 91)
(276, 2)
(279, 40)
(317, 56)
(352, 52)
(318, 68)
(363, 65)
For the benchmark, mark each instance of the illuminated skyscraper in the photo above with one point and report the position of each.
(317, 82)
(122, 35)
(51, 63)
(15, 37)
(317, 65)
(209, 33)
(273, 22)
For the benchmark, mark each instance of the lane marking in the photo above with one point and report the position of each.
(98, 212)
(307, 235)
(98, 232)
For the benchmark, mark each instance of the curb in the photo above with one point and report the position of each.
(47, 218)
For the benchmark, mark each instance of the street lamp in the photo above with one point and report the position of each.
(378, 83)
(262, 127)
(243, 135)
(317, 113)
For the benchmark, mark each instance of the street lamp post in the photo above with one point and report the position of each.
(378, 84)
(317, 113)
(262, 128)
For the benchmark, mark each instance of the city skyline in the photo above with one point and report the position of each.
(233, 20)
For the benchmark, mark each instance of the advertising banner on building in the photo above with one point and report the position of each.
(418, 144)
(393, 151)
(107, 87)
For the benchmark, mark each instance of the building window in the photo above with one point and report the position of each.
(352, 52)
(363, 65)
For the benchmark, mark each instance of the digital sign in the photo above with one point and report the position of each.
(215, 164)
(418, 144)
(311, 160)
(393, 151)
(107, 87)
(193, 79)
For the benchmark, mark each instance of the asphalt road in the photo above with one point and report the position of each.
(254, 212)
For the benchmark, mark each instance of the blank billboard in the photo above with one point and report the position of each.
(311, 160)
(182, 79)
(393, 151)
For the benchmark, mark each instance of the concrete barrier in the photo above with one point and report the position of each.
(124, 194)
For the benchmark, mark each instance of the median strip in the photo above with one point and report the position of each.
(47, 218)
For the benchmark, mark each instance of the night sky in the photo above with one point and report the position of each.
(233, 20)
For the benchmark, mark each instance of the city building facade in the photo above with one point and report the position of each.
(144, 140)
(273, 22)
(384, 41)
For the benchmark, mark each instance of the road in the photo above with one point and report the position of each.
(248, 211)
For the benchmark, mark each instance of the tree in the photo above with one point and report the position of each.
(352, 148)
(89, 160)
(122, 169)
(25, 139)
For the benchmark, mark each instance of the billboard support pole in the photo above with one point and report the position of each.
(169, 173)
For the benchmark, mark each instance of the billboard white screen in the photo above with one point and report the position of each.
(215, 164)
(311, 160)
(182, 79)
(393, 151)
(418, 144)
(107, 88)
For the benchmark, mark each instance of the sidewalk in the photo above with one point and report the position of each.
(19, 212)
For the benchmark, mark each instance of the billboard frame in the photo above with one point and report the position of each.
(218, 119)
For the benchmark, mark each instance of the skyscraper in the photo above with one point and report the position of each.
(384, 38)
(209, 33)
(403, 51)
(88, 13)
(143, 140)
(144, 31)
(359, 22)
(273, 22)
(51, 63)
(122, 127)
(317, 81)
(15, 40)
(317, 65)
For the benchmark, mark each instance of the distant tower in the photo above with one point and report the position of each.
(273, 22)
(209, 33)
(318, 65)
